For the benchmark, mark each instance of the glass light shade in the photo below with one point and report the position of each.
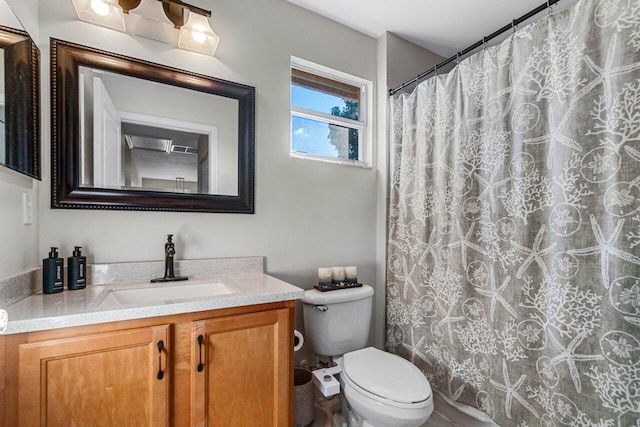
(106, 13)
(196, 35)
(148, 20)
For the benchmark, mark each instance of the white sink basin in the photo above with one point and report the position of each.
(164, 294)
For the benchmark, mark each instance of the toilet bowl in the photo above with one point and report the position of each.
(379, 389)
(384, 390)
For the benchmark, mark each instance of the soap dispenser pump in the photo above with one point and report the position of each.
(52, 273)
(77, 269)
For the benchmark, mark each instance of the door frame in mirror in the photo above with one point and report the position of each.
(22, 101)
(66, 192)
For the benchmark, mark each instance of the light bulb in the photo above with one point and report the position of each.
(100, 7)
(198, 34)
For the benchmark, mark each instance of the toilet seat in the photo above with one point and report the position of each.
(386, 378)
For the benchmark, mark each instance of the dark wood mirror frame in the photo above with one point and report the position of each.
(66, 193)
(22, 101)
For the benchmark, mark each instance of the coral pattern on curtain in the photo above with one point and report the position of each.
(514, 223)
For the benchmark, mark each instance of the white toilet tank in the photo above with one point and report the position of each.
(337, 322)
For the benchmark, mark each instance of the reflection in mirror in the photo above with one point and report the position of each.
(19, 96)
(158, 159)
(129, 134)
(142, 135)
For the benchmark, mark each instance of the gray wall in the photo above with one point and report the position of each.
(405, 60)
(27, 13)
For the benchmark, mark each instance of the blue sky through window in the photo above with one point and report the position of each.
(314, 100)
(312, 136)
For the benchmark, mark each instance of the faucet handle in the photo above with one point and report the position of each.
(169, 237)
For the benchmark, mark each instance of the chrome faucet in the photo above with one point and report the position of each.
(169, 254)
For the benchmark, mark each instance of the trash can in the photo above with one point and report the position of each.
(303, 404)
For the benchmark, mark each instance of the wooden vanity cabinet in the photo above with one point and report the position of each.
(110, 379)
(239, 373)
(240, 370)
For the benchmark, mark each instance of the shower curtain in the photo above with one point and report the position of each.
(514, 223)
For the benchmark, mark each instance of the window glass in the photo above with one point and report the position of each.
(324, 139)
(327, 115)
(325, 101)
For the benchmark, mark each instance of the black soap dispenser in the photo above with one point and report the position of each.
(52, 273)
(77, 269)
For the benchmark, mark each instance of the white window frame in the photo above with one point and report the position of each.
(365, 142)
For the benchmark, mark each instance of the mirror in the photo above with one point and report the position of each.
(133, 139)
(130, 134)
(19, 96)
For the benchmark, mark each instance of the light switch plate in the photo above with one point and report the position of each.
(27, 209)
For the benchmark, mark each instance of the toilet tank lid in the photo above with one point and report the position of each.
(386, 375)
(314, 297)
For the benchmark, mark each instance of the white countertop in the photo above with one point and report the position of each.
(87, 306)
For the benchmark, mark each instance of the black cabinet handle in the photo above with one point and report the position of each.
(160, 348)
(200, 341)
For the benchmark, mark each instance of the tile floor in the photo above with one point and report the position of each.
(437, 420)
(324, 410)
(326, 407)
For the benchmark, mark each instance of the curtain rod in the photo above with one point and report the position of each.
(476, 45)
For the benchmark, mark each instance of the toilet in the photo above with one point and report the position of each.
(379, 389)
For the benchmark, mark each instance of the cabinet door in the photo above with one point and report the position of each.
(241, 370)
(110, 379)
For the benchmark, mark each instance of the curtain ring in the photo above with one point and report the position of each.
(484, 43)
(550, 7)
(514, 26)
(435, 70)
(458, 57)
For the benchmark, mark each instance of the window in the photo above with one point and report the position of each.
(330, 116)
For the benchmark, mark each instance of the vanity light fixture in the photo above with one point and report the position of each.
(170, 21)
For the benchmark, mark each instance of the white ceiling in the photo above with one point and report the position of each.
(442, 26)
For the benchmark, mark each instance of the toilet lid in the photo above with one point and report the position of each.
(386, 375)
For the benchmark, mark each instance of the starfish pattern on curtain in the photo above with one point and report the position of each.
(513, 266)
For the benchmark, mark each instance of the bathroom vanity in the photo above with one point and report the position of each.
(223, 359)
